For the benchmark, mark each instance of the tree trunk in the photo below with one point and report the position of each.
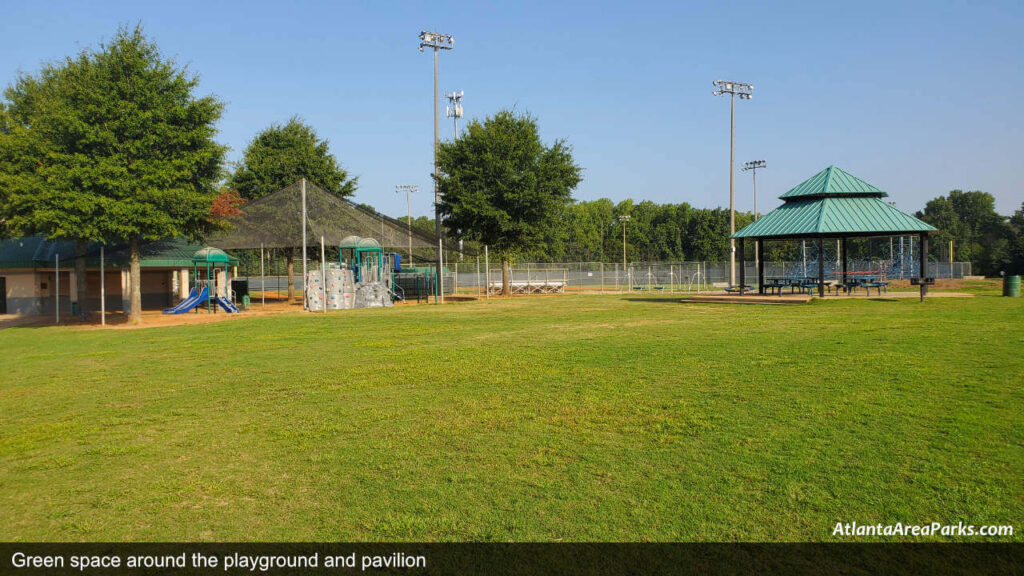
(135, 276)
(506, 273)
(80, 285)
(291, 274)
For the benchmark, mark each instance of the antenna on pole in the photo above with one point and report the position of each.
(454, 108)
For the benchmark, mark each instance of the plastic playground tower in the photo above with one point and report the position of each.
(205, 290)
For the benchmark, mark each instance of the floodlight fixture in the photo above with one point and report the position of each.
(436, 41)
(743, 90)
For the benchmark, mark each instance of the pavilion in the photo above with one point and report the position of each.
(836, 205)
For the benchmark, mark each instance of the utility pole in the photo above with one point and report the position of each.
(408, 189)
(624, 218)
(454, 108)
(436, 41)
(753, 166)
(745, 92)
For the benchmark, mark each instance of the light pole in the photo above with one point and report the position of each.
(753, 166)
(454, 108)
(408, 189)
(436, 41)
(745, 92)
(624, 218)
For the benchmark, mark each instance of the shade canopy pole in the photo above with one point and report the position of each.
(323, 272)
(103, 290)
(760, 265)
(56, 300)
(821, 266)
(743, 267)
(923, 271)
(304, 305)
(842, 248)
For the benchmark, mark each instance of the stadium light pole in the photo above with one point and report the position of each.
(753, 166)
(454, 108)
(408, 189)
(436, 41)
(745, 92)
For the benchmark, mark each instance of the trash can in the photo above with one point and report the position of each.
(245, 301)
(1011, 286)
(240, 288)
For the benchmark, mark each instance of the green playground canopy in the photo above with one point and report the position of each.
(211, 255)
(833, 204)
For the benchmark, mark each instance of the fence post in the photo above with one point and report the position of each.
(602, 277)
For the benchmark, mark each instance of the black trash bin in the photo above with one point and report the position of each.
(240, 288)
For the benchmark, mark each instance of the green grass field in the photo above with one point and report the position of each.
(551, 418)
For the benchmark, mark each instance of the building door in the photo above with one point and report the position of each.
(3, 295)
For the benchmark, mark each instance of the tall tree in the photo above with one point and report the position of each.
(282, 155)
(111, 145)
(1017, 246)
(980, 235)
(502, 186)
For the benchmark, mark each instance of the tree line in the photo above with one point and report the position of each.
(590, 231)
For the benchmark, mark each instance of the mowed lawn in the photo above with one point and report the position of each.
(550, 418)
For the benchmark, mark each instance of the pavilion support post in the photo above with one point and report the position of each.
(821, 266)
(743, 266)
(842, 248)
(760, 266)
(923, 272)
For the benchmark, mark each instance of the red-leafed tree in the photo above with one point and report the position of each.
(227, 204)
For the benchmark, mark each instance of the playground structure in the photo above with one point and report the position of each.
(208, 289)
(290, 222)
(363, 278)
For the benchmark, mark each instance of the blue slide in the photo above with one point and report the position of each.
(188, 304)
(227, 306)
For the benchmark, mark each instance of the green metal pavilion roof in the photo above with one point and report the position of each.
(833, 203)
(833, 181)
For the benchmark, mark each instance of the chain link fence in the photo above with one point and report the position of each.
(557, 277)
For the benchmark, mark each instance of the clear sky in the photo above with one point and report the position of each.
(915, 97)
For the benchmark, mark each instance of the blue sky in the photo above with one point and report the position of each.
(916, 98)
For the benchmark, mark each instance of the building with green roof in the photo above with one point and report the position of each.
(832, 204)
(28, 274)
